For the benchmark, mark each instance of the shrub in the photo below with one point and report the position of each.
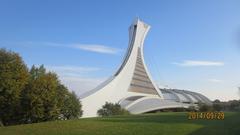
(192, 108)
(217, 107)
(110, 109)
(205, 108)
(1, 125)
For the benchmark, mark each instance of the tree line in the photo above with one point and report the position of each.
(231, 105)
(32, 95)
(217, 105)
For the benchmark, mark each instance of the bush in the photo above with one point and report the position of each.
(205, 108)
(1, 125)
(110, 109)
(71, 107)
(217, 107)
(192, 108)
(234, 105)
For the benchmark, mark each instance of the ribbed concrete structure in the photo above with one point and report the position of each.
(132, 85)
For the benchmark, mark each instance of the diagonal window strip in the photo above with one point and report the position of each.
(137, 85)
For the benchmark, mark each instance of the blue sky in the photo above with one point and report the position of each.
(192, 44)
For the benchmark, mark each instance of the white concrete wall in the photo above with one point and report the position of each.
(117, 88)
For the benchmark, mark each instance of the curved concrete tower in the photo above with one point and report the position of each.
(132, 85)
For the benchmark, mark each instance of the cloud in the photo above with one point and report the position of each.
(80, 85)
(97, 48)
(71, 70)
(34, 44)
(194, 63)
(86, 47)
(74, 77)
(215, 80)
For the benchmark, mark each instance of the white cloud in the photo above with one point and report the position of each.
(86, 47)
(194, 63)
(73, 77)
(97, 48)
(71, 70)
(80, 85)
(215, 80)
(35, 44)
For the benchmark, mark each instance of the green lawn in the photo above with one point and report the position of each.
(147, 124)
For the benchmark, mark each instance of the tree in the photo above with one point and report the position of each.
(110, 109)
(192, 108)
(39, 98)
(45, 98)
(205, 108)
(216, 101)
(32, 96)
(69, 104)
(217, 107)
(234, 105)
(13, 77)
(71, 107)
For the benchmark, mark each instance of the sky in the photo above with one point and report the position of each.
(192, 44)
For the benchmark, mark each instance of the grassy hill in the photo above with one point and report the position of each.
(147, 124)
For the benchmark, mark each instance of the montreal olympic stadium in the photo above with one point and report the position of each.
(133, 87)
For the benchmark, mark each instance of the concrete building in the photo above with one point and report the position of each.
(132, 85)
